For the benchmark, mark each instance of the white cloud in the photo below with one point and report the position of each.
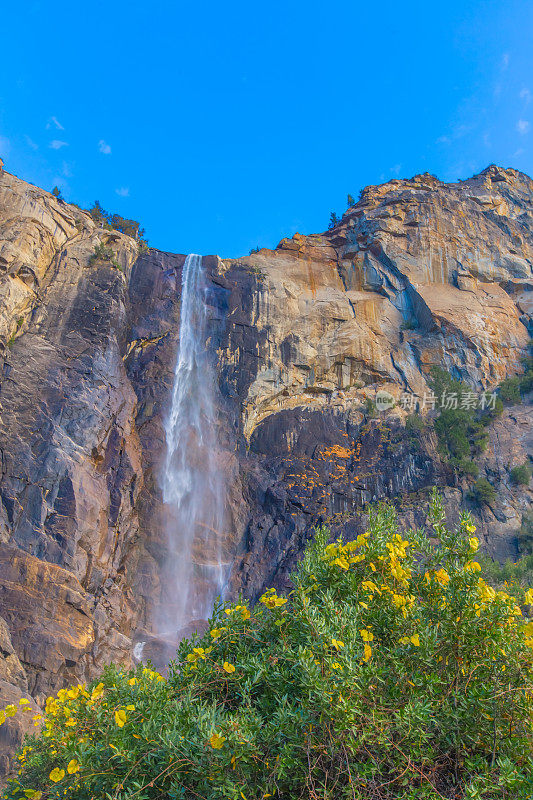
(523, 126)
(124, 191)
(53, 121)
(66, 170)
(57, 144)
(31, 143)
(505, 60)
(525, 95)
(396, 169)
(5, 146)
(443, 140)
(104, 147)
(519, 152)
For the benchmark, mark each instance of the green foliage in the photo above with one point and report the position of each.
(56, 191)
(371, 410)
(117, 223)
(392, 672)
(408, 325)
(350, 201)
(11, 340)
(461, 427)
(483, 492)
(103, 253)
(525, 534)
(514, 575)
(521, 475)
(333, 220)
(414, 423)
(254, 250)
(510, 390)
(468, 467)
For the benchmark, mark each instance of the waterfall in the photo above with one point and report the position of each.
(194, 485)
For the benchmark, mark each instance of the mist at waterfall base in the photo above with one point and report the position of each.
(194, 485)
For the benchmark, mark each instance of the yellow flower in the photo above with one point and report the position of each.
(415, 639)
(227, 667)
(336, 665)
(367, 636)
(470, 528)
(474, 542)
(368, 652)
(216, 633)
(97, 692)
(130, 708)
(73, 766)
(245, 614)
(57, 774)
(120, 718)
(271, 600)
(364, 605)
(33, 794)
(2, 717)
(74, 692)
(23, 701)
(472, 566)
(528, 597)
(10, 710)
(197, 654)
(442, 577)
(486, 592)
(217, 741)
(341, 562)
(132, 681)
(337, 644)
(70, 722)
(370, 586)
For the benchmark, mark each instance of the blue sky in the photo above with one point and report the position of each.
(225, 126)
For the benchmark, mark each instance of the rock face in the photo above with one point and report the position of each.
(417, 273)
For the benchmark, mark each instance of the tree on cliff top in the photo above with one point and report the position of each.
(391, 671)
(117, 223)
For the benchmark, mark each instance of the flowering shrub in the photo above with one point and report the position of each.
(391, 671)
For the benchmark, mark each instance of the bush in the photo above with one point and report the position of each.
(525, 534)
(103, 253)
(461, 430)
(393, 671)
(516, 575)
(414, 424)
(467, 467)
(510, 390)
(483, 492)
(409, 325)
(521, 475)
(371, 410)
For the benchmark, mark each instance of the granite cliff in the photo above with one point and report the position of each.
(417, 273)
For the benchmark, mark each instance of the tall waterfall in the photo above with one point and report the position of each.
(194, 485)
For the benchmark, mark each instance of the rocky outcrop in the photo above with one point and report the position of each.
(416, 273)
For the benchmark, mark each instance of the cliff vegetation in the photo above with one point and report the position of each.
(392, 670)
